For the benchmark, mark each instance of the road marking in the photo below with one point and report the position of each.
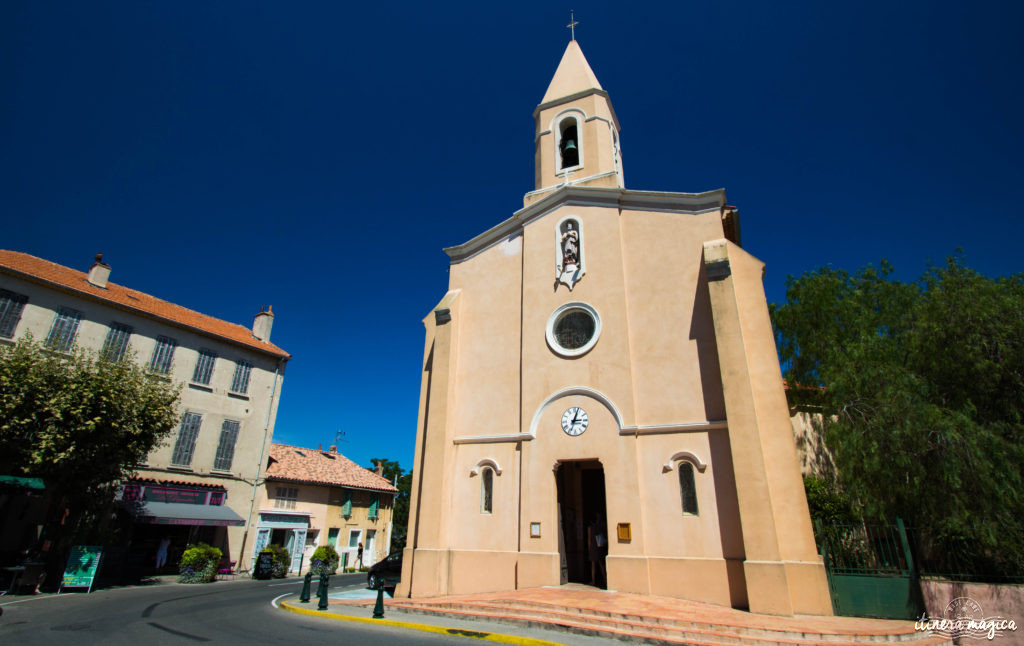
(39, 598)
(271, 585)
(274, 602)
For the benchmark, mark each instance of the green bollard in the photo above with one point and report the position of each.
(321, 592)
(306, 582)
(378, 608)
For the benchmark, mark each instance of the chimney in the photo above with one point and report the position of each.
(379, 470)
(334, 449)
(262, 324)
(99, 273)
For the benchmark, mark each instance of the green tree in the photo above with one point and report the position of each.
(82, 424)
(400, 518)
(921, 390)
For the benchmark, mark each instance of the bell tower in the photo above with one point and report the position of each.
(577, 132)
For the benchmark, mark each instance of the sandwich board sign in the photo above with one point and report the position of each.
(83, 563)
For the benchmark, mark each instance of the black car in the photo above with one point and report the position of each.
(388, 571)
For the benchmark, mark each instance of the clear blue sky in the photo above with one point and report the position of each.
(317, 156)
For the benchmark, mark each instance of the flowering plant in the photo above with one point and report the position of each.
(199, 564)
(325, 561)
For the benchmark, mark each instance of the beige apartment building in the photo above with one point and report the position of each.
(313, 498)
(202, 484)
(601, 398)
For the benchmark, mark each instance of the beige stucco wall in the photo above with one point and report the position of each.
(256, 411)
(494, 392)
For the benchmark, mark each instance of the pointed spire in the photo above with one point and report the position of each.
(573, 75)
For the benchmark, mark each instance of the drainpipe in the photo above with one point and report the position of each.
(259, 464)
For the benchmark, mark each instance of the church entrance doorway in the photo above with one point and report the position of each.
(583, 532)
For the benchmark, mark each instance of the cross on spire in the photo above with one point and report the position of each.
(572, 24)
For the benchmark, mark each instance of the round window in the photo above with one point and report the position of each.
(573, 329)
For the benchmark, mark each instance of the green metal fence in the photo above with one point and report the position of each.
(870, 570)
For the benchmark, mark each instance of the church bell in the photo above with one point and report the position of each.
(570, 144)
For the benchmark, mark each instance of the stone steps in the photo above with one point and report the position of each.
(704, 628)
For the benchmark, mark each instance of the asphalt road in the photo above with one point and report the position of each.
(225, 612)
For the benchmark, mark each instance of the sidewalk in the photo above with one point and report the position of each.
(569, 614)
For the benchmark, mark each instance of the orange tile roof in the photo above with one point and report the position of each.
(26, 266)
(298, 464)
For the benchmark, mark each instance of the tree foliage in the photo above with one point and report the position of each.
(400, 517)
(80, 423)
(921, 390)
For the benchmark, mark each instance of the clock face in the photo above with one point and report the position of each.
(574, 421)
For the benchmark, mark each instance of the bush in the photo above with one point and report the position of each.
(282, 559)
(325, 561)
(199, 564)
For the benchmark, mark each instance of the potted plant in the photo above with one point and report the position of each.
(325, 561)
(199, 564)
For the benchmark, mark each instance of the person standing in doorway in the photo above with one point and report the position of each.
(597, 548)
(161, 552)
(359, 556)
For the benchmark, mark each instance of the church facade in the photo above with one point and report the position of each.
(601, 398)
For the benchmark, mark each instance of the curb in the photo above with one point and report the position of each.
(457, 632)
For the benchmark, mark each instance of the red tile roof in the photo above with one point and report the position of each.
(26, 266)
(298, 464)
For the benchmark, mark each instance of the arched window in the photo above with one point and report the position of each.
(568, 143)
(688, 489)
(486, 490)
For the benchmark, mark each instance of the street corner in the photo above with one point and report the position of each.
(347, 612)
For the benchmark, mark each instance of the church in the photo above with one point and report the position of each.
(601, 400)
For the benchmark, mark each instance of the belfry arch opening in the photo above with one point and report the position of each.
(583, 528)
(568, 143)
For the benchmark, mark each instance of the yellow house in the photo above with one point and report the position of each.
(601, 400)
(313, 497)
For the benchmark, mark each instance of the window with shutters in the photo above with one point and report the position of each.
(346, 507)
(374, 506)
(64, 329)
(204, 367)
(163, 354)
(116, 344)
(226, 445)
(486, 490)
(11, 305)
(185, 446)
(688, 489)
(240, 382)
(285, 497)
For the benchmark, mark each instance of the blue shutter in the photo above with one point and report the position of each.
(346, 509)
(185, 446)
(374, 503)
(64, 329)
(204, 367)
(11, 305)
(226, 445)
(240, 382)
(116, 343)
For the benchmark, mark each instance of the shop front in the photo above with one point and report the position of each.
(287, 529)
(167, 518)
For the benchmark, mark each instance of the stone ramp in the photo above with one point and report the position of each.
(659, 620)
